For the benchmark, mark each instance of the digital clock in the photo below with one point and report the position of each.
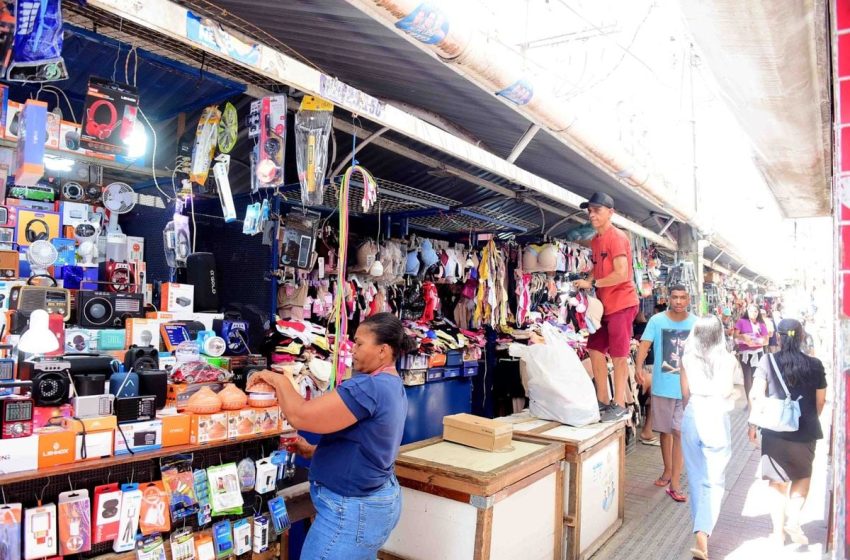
(15, 418)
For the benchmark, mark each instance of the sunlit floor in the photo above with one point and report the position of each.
(658, 528)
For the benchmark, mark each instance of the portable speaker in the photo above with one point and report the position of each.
(51, 383)
(91, 363)
(154, 382)
(201, 273)
(100, 310)
(141, 358)
(89, 384)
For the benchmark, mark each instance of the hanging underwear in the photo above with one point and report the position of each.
(412, 266)
(540, 258)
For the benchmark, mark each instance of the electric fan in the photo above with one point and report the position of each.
(41, 255)
(86, 234)
(228, 129)
(118, 198)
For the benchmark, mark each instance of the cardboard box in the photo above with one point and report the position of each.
(205, 318)
(176, 429)
(268, 420)
(53, 131)
(178, 297)
(241, 423)
(178, 393)
(56, 447)
(141, 436)
(13, 118)
(143, 332)
(93, 424)
(29, 156)
(167, 361)
(41, 415)
(98, 445)
(19, 454)
(36, 221)
(207, 428)
(478, 432)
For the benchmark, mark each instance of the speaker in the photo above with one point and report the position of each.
(154, 382)
(141, 358)
(201, 273)
(102, 310)
(51, 383)
(9, 264)
(91, 363)
(90, 384)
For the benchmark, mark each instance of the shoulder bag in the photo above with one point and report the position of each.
(777, 415)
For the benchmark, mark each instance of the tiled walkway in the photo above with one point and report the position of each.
(657, 528)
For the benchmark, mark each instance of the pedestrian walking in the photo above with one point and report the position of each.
(707, 390)
(751, 336)
(787, 457)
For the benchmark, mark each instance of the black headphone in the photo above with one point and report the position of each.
(33, 236)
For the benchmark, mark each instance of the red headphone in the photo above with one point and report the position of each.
(101, 131)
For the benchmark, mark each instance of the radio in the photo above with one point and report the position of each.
(93, 406)
(7, 368)
(10, 264)
(135, 409)
(119, 276)
(51, 382)
(15, 417)
(26, 299)
(235, 334)
(140, 358)
(96, 309)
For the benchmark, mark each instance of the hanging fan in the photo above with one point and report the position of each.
(228, 129)
(41, 255)
(119, 198)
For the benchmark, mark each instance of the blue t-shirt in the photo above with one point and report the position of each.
(668, 344)
(358, 460)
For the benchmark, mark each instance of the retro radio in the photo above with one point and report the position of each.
(119, 276)
(15, 417)
(26, 299)
(10, 264)
(97, 309)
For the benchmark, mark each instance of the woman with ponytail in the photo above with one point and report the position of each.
(787, 457)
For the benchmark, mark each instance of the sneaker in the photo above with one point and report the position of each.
(612, 413)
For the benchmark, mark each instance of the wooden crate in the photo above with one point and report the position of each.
(594, 479)
(460, 503)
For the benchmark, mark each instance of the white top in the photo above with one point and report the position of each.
(719, 384)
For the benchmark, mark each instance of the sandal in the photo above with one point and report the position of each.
(661, 482)
(677, 496)
(651, 441)
(699, 554)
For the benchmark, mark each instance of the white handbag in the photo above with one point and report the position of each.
(777, 415)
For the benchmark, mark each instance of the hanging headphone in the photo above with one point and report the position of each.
(32, 235)
(101, 130)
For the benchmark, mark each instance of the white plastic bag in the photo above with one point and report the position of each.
(558, 386)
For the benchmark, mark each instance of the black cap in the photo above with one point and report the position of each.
(598, 199)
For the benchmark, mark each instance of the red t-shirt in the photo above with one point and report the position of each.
(606, 247)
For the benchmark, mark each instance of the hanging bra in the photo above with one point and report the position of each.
(366, 253)
(412, 266)
(428, 254)
(450, 264)
(540, 258)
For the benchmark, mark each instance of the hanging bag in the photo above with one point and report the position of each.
(777, 415)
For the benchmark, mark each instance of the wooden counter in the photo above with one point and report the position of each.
(461, 503)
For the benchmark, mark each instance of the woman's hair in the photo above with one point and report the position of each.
(759, 316)
(794, 364)
(388, 330)
(707, 343)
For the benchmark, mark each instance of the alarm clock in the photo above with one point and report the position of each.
(15, 417)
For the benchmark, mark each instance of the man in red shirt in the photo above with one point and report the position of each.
(613, 279)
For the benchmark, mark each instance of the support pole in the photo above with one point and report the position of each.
(523, 142)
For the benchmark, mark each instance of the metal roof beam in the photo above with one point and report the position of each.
(169, 19)
(523, 142)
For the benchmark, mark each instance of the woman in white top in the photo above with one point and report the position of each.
(706, 377)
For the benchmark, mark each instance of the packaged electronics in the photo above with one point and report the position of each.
(128, 521)
(109, 118)
(269, 168)
(177, 297)
(10, 530)
(154, 516)
(74, 522)
(32, 135)
(107, 507)
(40, 532)
(139, 436)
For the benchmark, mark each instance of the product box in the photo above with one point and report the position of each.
(19, 454)
(35, 224)
(179, 393)
(176, 428)
(53, 130)
(93, 424)
(69, 137)
(241, 423)
(56, 447)
(268, 420)
(98, 445)
(143, 332)
(29, 155)
(13, 120)
(478, 432)
(141, 436)
(206, 319)
(167, 361)
(109, 118)
(135, 248)
(177, 297)
(207, 428)
(41, 415)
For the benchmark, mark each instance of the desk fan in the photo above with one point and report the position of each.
(119, 198)
(41, 255)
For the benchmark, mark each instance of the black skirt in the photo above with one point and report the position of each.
(784, 461)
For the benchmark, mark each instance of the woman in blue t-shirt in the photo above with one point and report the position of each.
(352, 480)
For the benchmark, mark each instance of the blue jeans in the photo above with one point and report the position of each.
(351, 528)
(706, 446)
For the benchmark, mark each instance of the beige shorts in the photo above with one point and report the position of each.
(666, 414)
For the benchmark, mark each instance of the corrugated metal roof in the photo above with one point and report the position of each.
(344, 42)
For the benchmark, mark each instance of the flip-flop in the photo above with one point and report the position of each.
(699, 554)
(678, 497)
(651, 441)
(661, 483)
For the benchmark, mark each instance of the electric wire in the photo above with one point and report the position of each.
(153, 157)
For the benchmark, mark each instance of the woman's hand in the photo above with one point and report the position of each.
(302, 447)
(753, 433)
(272, 378)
